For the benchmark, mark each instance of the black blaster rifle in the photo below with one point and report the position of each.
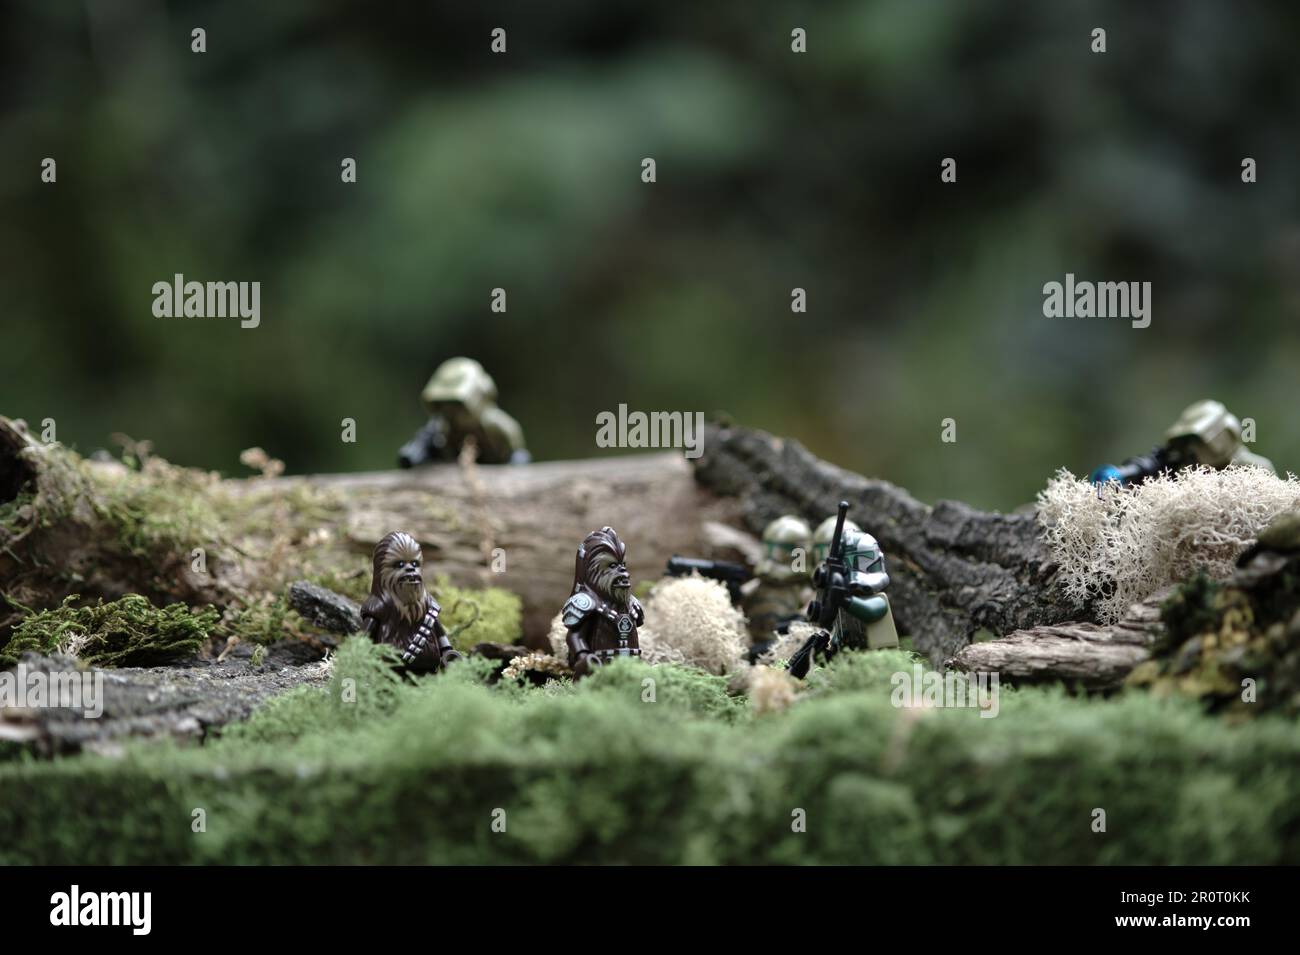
(832, 582)
(429, 444)
(733, 575)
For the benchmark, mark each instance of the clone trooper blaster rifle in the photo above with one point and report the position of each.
(841, 589)
(831, 581)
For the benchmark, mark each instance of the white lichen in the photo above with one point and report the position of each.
(770, 690)
(1124, 544)
(73, 645)
(693, 617)
(557, 637)
(536, 662)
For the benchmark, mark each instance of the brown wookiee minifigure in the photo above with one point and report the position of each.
(601, 616)
(400, 612)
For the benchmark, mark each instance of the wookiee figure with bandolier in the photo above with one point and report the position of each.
(400, 612)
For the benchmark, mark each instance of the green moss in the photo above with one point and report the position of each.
(1234, 646)
(126, 632)
(16, 514)
(50, 484)
(62, 482)
(377, 769)
(848, 672)
(160, 510)
(1194, 607)
(479, 615)
(159, 513)
(364, 688)
(263, 620)
(677, 687)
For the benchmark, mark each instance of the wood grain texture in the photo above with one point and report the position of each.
(1090, 655)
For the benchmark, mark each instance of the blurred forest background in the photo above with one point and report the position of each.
(775, 170)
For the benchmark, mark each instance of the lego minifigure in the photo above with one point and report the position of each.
(781, 589)
(850, 609)
(400, 612)
(601, 616)
(461, 401)
(862, 552)
(1206, 433)
(821, 538)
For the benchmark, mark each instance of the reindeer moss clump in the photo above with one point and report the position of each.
(126, 632)
(1118, 545)
(692, 620)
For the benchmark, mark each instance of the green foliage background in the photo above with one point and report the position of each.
(775, 170)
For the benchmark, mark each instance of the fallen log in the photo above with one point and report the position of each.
(184, 703)
(70, 525)
(1091, 656)
(324, 608)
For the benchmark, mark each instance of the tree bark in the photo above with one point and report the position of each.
(1091, 656)
(58, 536)
(184, 703)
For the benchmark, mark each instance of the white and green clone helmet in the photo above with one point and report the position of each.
(862, 552)
(787, 545)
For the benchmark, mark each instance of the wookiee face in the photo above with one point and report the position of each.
(606, 571)
(398, 562)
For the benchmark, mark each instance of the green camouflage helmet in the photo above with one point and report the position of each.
(786, 542)
(1212, 436)
(825, 531)
(463, 382)
(1208, 431)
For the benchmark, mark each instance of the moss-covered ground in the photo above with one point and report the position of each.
(126, 632)
(676, 770)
